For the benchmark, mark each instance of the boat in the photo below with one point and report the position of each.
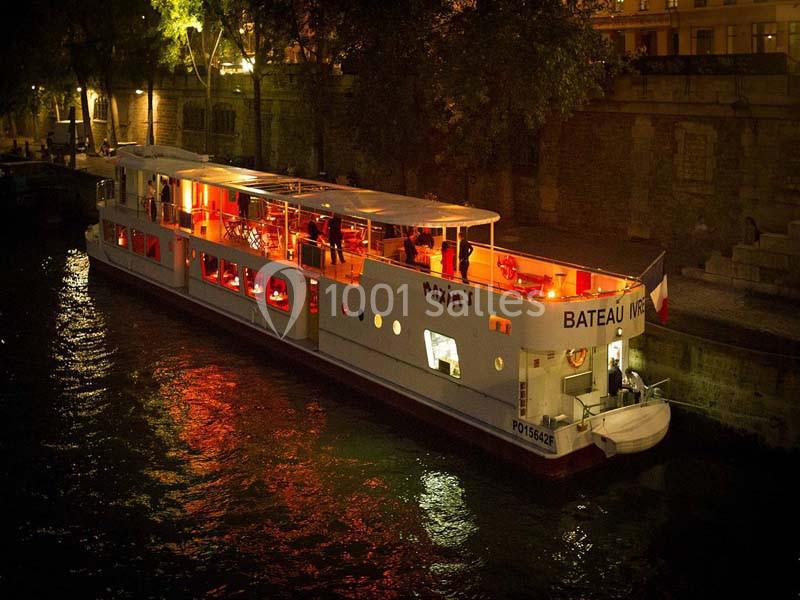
(513, 357)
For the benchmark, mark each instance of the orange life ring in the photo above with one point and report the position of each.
(576, 358)
(508, 266)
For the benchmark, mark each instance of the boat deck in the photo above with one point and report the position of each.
(496, 268)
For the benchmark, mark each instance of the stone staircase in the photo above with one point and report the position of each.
(771, 266)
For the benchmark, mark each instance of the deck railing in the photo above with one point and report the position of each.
(251, 232)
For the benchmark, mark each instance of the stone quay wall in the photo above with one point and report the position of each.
(675, 158)
(749, 391)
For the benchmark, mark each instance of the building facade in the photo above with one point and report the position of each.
(697, 27)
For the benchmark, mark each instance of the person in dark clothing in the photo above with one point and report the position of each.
(313, 231)
(614, 377)
(411, 249)
(424, 238)
(335, 238)
(465, 250)
(243, 200)
(166, 201)
(752, 234)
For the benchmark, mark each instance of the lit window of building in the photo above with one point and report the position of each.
(765, 38)
(794, 40)
(100, 112)
(619, 5)
(671, 4)
(643, 4)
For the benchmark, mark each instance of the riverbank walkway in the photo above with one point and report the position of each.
(721, 314)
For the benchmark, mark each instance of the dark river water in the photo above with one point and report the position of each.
(149, 455)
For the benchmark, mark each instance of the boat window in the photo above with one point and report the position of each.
(210, 266)
(137, 237)
(109, 234)
(153, 247)
(313, 296)
(277, 293)
(500, 324)
(442, 353)
(122, 236)
(250, 287)
(230, 275)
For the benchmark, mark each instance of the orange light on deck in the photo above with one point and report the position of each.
(186, 195)
(551, 294)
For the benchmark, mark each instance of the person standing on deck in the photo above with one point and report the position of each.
(313, 231)
(410, 249)
(424, 238)
(635, 383)
(166, 201)
(465, 250)
(614, 378)
(335, 238)
(243, 200)
(151, 200)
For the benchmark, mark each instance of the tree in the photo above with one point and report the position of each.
(29, 80)
(316, 35)
(509, 65)
(78, 24)
(195, 35)
(259, 30)
(396, 109)
(146, 52)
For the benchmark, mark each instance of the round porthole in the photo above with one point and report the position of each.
(378, 320)
(499, 363)
(397, 328)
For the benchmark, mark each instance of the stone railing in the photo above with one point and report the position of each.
(716, 64)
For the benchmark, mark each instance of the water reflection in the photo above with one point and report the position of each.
(152, 457)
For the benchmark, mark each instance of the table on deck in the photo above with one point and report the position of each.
(257, 236)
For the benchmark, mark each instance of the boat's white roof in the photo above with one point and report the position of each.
(381, 207)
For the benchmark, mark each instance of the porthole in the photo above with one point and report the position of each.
(499, 363)
(378, 320)
(397, 328)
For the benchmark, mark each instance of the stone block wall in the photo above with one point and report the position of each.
(746, 390)
(673, 159)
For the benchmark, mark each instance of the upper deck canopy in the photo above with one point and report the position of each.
(381, 207)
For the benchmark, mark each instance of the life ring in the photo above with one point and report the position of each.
(576, 358)
(508, 267)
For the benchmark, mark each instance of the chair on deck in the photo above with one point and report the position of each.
(355, 241)
(231, 229)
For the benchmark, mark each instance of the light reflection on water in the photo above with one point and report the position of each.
(155, 456)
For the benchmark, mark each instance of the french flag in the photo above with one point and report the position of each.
(655, 282)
